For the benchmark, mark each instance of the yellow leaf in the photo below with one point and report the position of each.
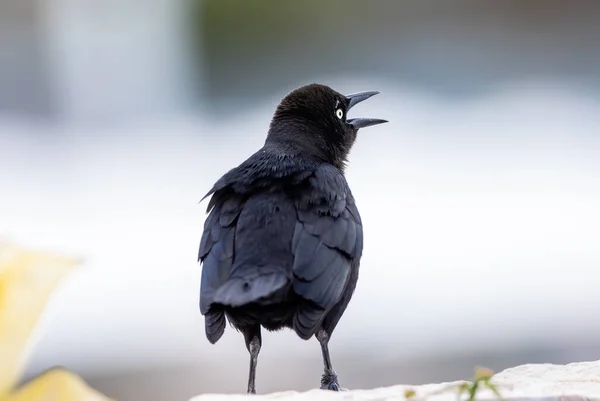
(56, 385)
(27, 280)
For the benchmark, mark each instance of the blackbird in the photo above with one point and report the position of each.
(283, 239)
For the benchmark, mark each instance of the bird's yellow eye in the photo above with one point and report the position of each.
(339, 113)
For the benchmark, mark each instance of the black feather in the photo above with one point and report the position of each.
(214, 324)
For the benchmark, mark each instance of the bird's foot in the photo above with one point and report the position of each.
(329, 381)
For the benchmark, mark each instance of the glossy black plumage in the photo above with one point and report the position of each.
(282, 243)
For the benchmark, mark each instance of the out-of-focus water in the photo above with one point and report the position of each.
(481, 237)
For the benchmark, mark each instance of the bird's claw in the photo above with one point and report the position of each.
(330, 386)
(329, 381)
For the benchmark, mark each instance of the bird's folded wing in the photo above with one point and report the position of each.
(217, 248)
(324, 246)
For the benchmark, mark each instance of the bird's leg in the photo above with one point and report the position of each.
(253, 343)
(329, 379)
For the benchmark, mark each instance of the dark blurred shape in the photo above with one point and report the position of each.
(453, 47)
(24, 76)
(99, 61)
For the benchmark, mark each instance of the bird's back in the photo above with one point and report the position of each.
(272, 251)
(261, 270)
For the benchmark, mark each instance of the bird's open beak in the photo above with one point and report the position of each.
(353, 100)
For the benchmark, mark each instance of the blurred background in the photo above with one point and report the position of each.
(480, 198)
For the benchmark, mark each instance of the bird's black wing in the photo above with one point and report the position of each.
(228, 196)
(328, 237)
(216, 254)
(217, 246)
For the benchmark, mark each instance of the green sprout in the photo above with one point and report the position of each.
(482, 377)
(409, 393)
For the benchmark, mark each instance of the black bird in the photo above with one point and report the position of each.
(282, 243)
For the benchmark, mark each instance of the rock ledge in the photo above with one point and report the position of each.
(537, 382)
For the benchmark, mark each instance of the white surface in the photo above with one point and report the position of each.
(535, 381)
(481, 223)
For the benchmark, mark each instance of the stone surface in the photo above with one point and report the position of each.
(539, 382)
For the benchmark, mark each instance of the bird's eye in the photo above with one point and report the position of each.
(339, 113)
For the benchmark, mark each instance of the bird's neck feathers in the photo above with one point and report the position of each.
(304, 139)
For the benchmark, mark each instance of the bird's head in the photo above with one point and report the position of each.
(314, 119)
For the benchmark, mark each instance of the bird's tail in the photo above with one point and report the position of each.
(245, 289)
(214, 324)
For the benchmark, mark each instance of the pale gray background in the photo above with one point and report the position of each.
(480, 198)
